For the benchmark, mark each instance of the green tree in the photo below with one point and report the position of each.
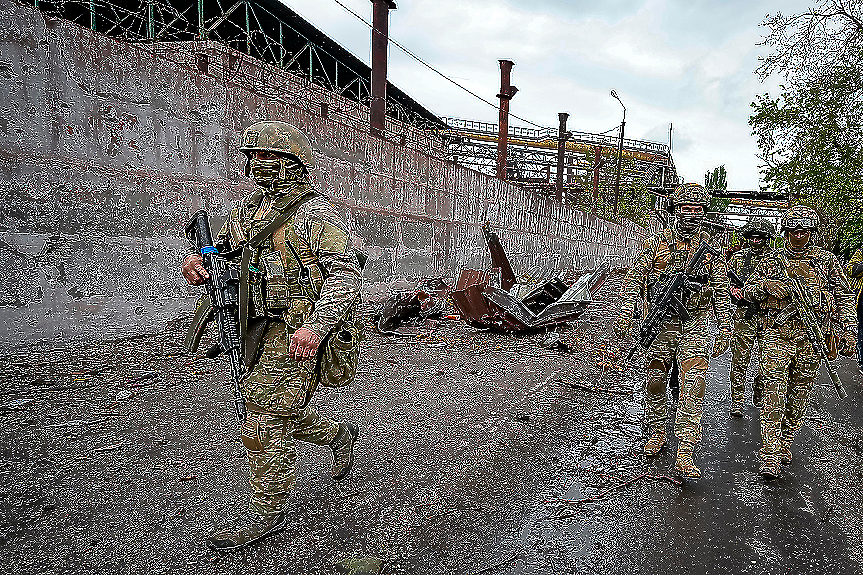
(809, 136)
(717, 179)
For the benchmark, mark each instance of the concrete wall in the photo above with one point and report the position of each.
(107, 147)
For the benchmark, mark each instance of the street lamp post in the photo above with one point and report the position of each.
(619, 152)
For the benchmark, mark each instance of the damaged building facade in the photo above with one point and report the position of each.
(107, 147)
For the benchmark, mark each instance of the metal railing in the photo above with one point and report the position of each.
(544, 134)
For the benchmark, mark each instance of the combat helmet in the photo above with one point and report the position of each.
(690, 193)
(280, 138)
(758, 226)
(800, 217)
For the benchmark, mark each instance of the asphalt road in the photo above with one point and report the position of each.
(477, 456)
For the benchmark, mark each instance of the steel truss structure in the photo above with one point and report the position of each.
(532, 156)
(264, 29)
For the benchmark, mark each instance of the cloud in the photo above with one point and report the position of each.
(686, 62)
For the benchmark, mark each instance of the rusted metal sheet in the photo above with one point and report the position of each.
(484, 300)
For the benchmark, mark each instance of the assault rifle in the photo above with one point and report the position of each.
(751, 307)
(670, 294)
(810, 323)
(221, 301)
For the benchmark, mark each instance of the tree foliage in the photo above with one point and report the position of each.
(717, 179)
(809, 136)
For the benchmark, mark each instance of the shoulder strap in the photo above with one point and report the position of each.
(285, 214)
(249, 248)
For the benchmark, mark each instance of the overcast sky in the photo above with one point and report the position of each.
(686, 62)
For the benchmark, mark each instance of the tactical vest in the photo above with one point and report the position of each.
(818, 285)
(677, 261)
(281, 279)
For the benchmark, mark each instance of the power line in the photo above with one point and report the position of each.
(435, 70)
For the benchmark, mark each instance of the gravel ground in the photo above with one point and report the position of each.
(479, 453)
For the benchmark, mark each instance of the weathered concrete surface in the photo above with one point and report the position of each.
(448, 480)
(106, 148)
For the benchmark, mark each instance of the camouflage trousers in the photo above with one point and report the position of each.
(689, 342)
(742, 342)
(789, 367)
(270, 446)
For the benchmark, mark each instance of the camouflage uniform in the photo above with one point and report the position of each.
(278, 388)
(747, 322)
(688, 340)
(789, 365)
(854, 269)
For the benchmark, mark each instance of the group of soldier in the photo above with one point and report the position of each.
(767, 312)
(300, 283)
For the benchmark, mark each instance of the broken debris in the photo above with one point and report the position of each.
(414, 313)
(487, 299)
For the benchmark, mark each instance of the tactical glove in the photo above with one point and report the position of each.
(777, 289)
(848, 344)
(622, 325)
(721, 344)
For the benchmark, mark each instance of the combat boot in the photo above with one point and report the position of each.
(769, 469)
(655, 443)
(343, 449)
(785, 452)
(684, 466)
(736, 409)
(230, 539)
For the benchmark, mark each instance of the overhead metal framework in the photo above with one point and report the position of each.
(264, 29)
(532, 157)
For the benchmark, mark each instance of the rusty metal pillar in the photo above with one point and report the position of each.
(619, 152)
(562, 137)
(507, 91)
(380, 38)
(597, 164)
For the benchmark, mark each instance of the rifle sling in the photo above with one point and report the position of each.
(249, 249)
(203, 316)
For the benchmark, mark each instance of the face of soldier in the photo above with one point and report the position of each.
(757, 242)
(689, 217)
(798, 238)
(269, 169)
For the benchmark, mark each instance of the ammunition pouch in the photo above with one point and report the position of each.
(340, 350)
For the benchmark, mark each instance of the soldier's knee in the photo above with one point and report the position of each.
(693, 365)
(657, 364)
(656, 374)
(692, 372)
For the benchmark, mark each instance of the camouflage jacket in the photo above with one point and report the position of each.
(828, 291)
(665, 252)
(319, 239)
(744, 262)
(856, 283)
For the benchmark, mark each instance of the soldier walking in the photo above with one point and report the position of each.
(669, 252)
(854, 269)
(747, 316)
(789, 363)
(303, 282)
